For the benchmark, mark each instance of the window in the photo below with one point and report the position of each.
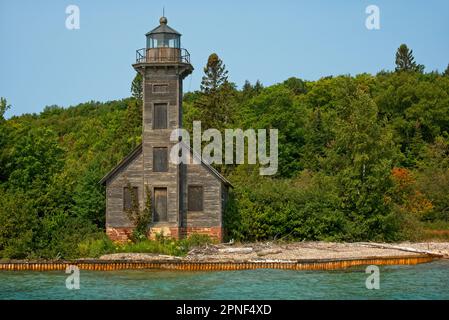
(195, 198)
(160, 204)
(160, 116)
(128, 197)
(160, 160)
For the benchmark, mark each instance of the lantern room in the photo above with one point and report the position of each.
(163, 36)
(163, 46)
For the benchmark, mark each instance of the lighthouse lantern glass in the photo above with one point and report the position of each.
(163, 40)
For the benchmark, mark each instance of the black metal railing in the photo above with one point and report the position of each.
(162, 55)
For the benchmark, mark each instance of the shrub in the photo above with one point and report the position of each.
(95, 247)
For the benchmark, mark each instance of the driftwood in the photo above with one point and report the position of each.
(235, 250)
(265, 252)
(407, 249)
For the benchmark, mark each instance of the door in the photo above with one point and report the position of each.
(160, 204)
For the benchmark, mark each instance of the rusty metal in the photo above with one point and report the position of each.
(324, 264)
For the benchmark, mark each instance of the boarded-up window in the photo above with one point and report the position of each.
(128, 197)
(160, 160)
(195, 198)
(160, 116)
(160, 88)
(160, 204)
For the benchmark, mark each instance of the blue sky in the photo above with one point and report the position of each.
(43, 63)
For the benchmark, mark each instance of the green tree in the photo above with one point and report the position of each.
(317, 134)
(258, 87)
(361, 158)
(137, 87)
(296, 85)
(433, 178)
(88, 197)
(132, 126)
(218, 95)
(18, 225)
(4, 106)
(405, 60)
(446, 72)
(276, 108)
(36, 158)
(215, 74)
(249, 90)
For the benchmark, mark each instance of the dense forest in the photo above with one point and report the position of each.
(362, 157)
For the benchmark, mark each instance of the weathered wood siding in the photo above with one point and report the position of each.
(211, 216)
(154, 79)
(162, 85)
(132, 172)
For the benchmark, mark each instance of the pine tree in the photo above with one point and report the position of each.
(247, 87)
(405, 60)
(258, 87)
(4, 106)
(446, 72)
(217, 95)
(137, 87)
(215, 74)
(250, 90)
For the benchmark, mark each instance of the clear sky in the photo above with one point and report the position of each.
(43, 63)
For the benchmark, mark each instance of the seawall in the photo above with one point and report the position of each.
(184, 265)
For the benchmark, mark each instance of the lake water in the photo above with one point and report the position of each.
(424, 281)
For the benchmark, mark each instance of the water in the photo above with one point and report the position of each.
(424, 281)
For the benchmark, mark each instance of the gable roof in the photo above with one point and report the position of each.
(207, 165)
(131, 156)
(137, 151)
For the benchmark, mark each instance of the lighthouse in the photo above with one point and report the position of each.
(186, 198)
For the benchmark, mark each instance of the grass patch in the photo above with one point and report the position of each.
(436, 225)
(435, 231)
(94, 248)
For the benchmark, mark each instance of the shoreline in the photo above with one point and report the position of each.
(290, 256)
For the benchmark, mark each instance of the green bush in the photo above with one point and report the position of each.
(95, 247)
(164, 245)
